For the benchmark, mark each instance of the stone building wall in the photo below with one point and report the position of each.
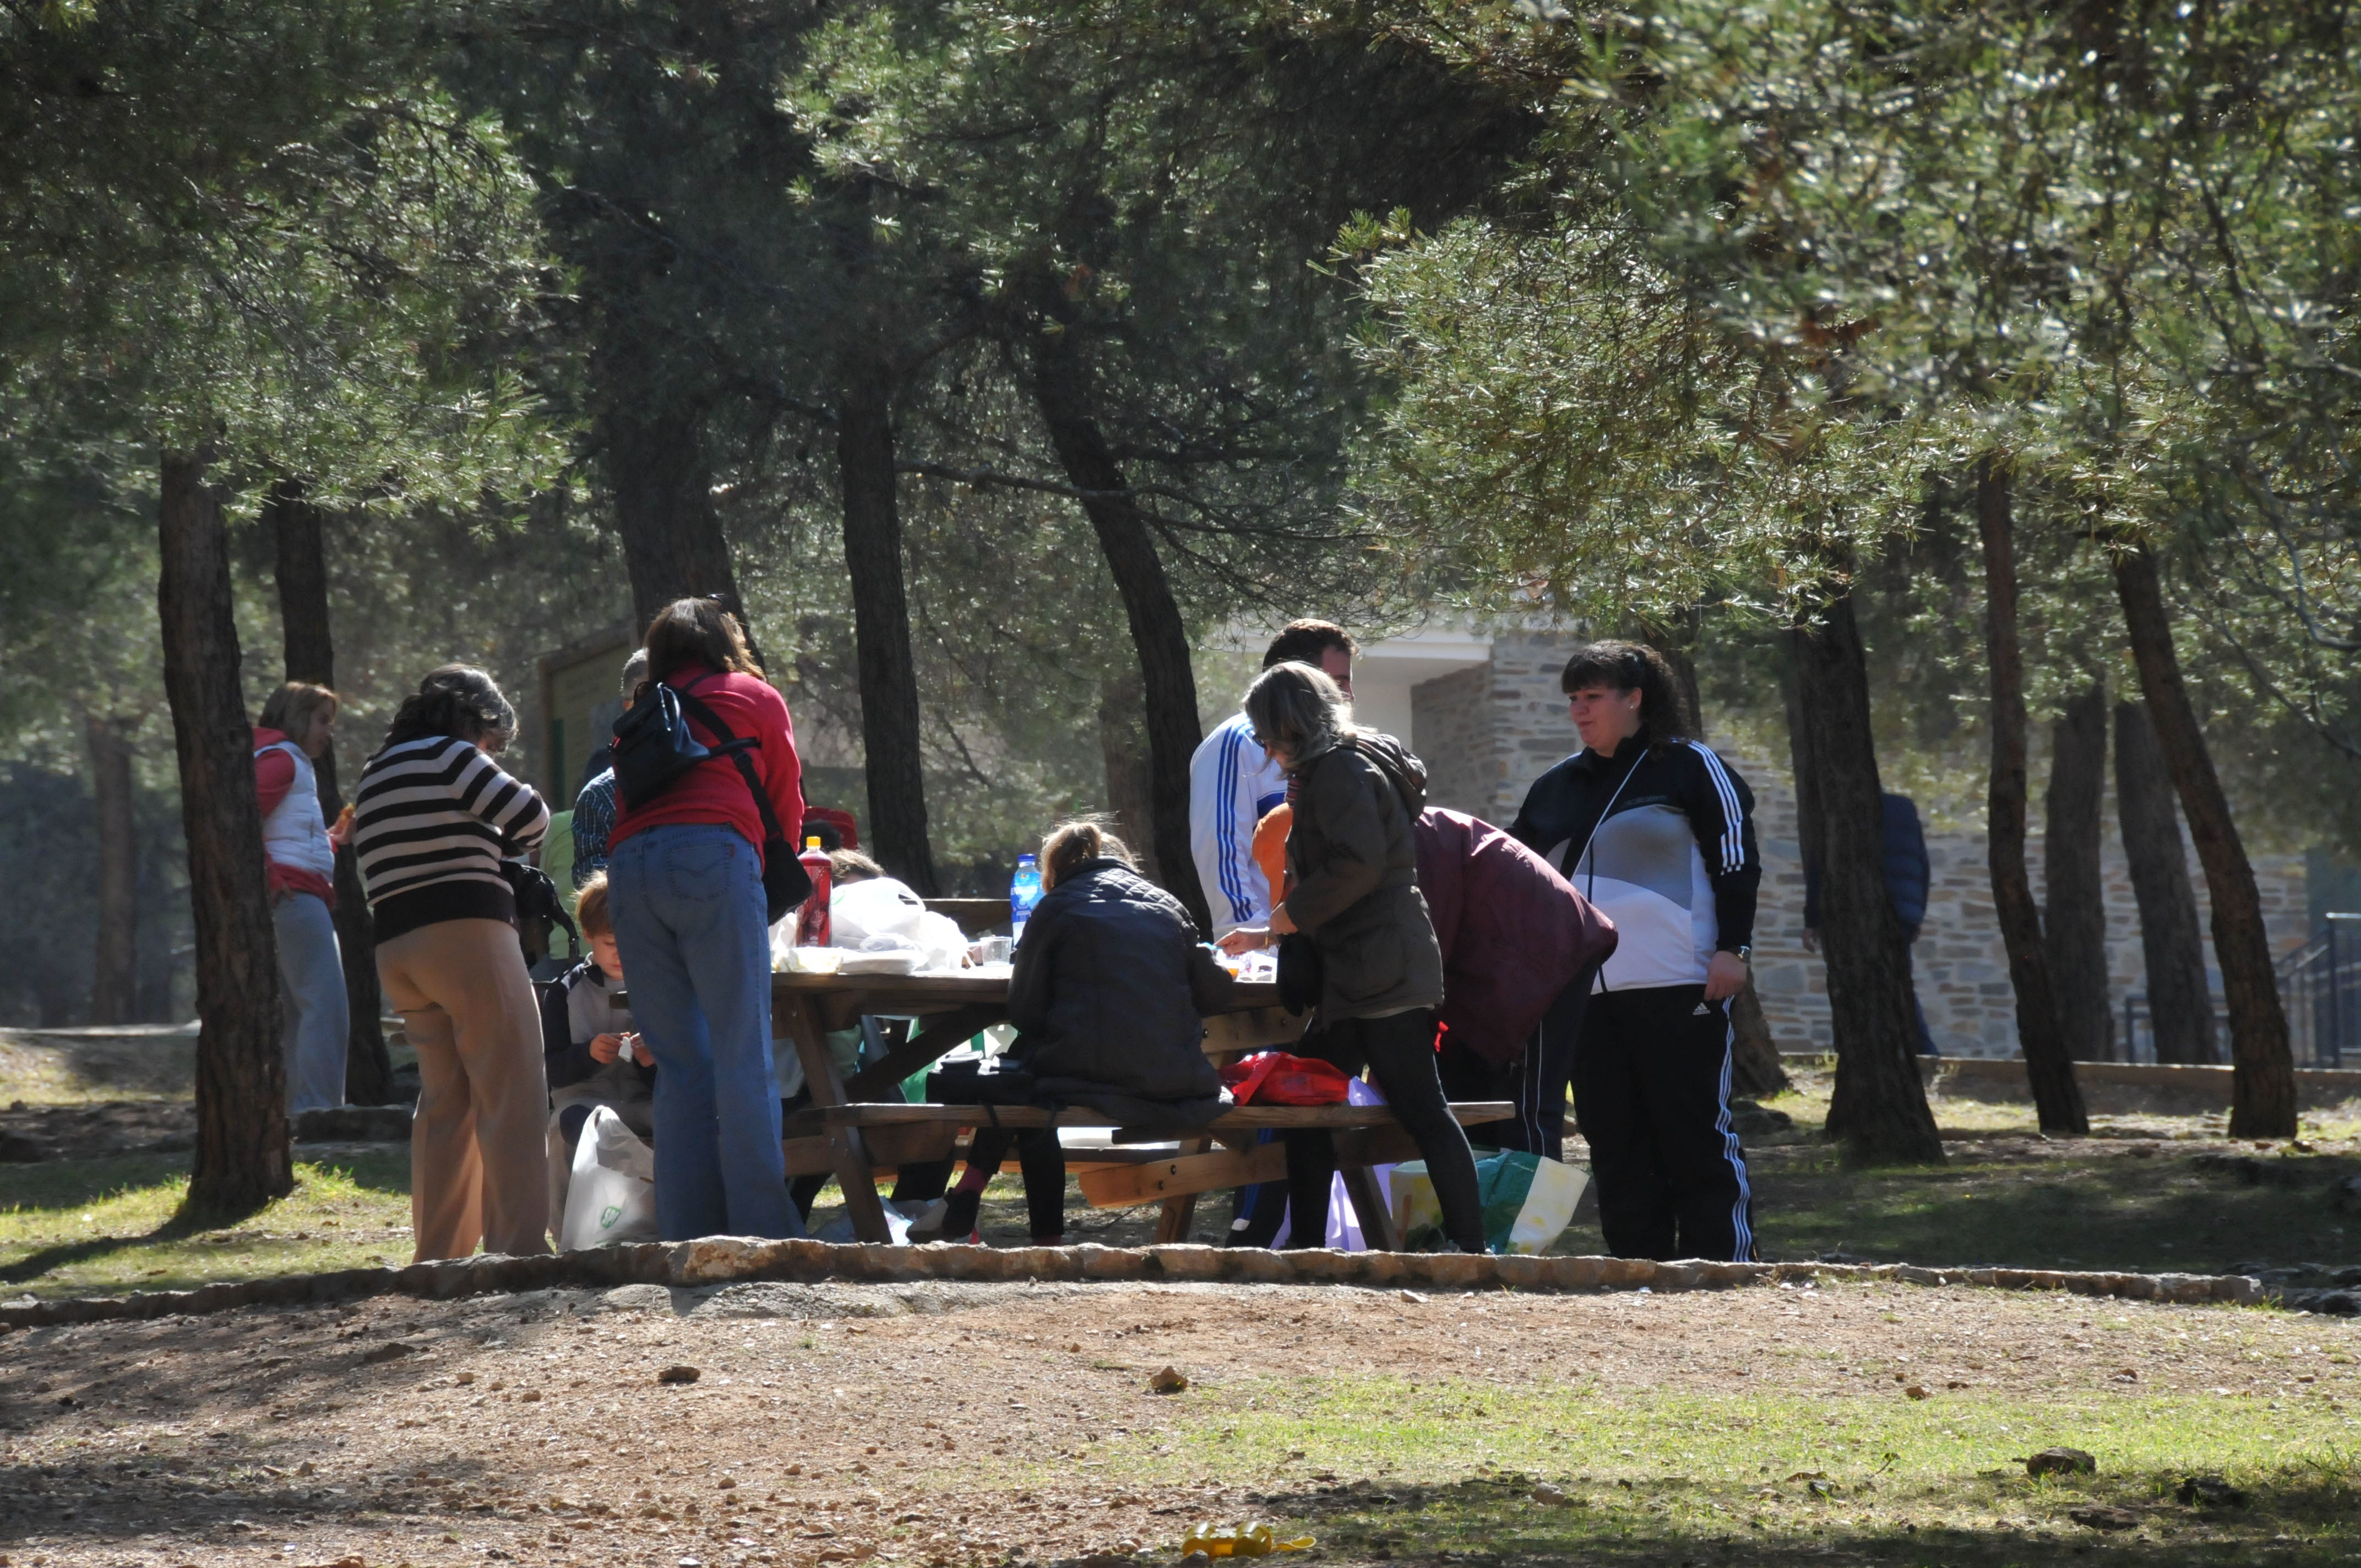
(1484, 764)
(1451, 720)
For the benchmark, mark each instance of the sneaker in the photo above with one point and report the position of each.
(926, 1224)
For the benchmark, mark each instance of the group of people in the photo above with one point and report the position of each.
(1594, 945)
(1595, 942)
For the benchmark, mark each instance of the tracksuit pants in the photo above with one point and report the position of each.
(1652, 1097)
(1540, 1079)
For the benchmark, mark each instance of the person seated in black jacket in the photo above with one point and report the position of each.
(1109, 996)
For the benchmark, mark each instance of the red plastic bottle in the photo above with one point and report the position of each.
(811, 917)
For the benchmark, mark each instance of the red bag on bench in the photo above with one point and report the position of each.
(1275, 1078)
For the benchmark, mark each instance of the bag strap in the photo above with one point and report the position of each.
(737, 751)
(1595, 826)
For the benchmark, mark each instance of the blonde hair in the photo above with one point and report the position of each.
(1298, 712)
(590, 907)
(1069, 845)
(291, 708)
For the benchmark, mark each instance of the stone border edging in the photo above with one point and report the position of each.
(719, 1260)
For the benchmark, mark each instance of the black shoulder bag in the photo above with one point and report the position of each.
(653, 745)
(538, 908)
(786, 883)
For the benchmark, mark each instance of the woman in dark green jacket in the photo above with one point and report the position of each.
(1352, 861)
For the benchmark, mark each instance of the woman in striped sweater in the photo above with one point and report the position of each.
(434, 818)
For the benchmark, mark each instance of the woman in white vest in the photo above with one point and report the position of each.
(298, 724)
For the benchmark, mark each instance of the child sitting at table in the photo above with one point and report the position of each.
(1108, 997)
(592, 1054)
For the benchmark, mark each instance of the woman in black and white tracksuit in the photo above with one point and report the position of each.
(1659, 834)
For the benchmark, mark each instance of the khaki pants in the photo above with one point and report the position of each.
(478, 1166)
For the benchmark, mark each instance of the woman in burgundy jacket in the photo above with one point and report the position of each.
(1519, 950)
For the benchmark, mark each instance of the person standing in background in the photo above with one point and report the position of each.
(298, 727)
(1908, 874)
(684, 891)
(592, 820)
(1234, 783)
(1657, 833)
(435, 817)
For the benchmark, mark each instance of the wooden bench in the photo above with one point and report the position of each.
(1120, 1177)
(852, 1132)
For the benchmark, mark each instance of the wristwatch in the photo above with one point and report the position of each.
(1745, 955)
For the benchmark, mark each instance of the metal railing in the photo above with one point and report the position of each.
(2319, 987)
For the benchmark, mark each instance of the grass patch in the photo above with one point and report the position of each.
(1683, 1476)
(2107, 1212)
(97, 1227)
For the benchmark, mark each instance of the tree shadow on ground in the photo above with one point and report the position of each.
(34, 1264)
(64, 1183)
(2204, 1210)
(142, 1250)
(2302, 1514)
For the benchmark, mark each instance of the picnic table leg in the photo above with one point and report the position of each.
(1369, 1206)
(854, 1174)
(1172, 1221)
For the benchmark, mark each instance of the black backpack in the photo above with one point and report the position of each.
(653, 748)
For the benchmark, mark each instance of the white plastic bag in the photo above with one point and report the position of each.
(1344, 1220)
(612, 1196)
(887, 925)
(880, 907)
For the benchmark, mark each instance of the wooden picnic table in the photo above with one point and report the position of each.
(855, 1124)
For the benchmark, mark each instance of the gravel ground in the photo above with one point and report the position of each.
(936, 1423)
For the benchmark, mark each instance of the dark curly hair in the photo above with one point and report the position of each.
(458, 700)
(1632, 666)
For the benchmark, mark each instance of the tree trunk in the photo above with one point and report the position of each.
(2262, 1095)
(1167, 680)
(243, 1159)
(1879, 1109)
(2056, 1098)
(303, 572)
(1130, 775)
(1754, 1065)
(1799, 752)
(881, 629)
(673, 543)
(2074, 915)
(115, 971)
(2180, 1004)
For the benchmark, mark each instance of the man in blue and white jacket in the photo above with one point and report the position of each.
(1659, 835)
(1234, 785)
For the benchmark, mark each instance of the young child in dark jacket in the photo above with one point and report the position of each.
(1109, 995)
(593, 1056)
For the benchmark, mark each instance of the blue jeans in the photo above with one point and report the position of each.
(312, 990)
(686, 900)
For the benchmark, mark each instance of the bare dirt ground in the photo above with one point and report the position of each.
(951, 1424)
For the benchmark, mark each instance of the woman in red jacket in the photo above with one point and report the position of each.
(298, 726)
(684, 888)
